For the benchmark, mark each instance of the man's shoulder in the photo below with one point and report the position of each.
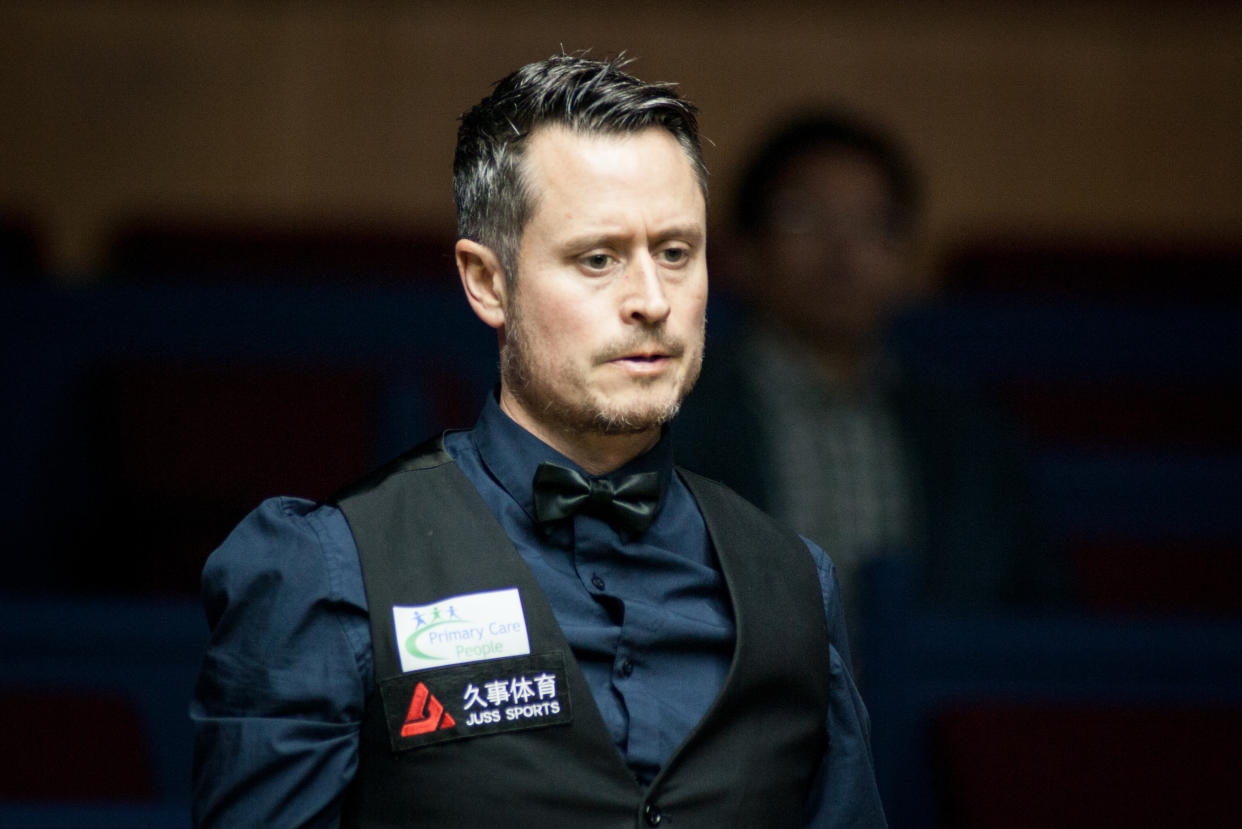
(277, 524)
(430, 454)
(287, 550)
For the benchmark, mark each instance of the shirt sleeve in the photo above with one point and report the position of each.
(845, 795)
(280, 695)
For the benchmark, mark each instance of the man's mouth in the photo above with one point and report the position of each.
(644, 353)
(646, 363)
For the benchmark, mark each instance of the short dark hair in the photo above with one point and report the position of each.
(492, 196)
(820, 132)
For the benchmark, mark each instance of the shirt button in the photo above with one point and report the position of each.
(625, 668)
(652, 815)
(597, 582)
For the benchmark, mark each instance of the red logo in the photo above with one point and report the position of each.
(425, 713)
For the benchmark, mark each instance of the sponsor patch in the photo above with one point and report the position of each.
(461, 629)
(477, 698)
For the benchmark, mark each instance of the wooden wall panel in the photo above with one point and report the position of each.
(1092, 116)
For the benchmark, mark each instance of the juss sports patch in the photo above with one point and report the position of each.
(477, 698)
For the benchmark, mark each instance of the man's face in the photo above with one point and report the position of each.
(603, 329)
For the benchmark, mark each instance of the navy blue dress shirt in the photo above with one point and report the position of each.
(285, 680)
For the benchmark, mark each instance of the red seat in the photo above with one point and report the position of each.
(353, 251)
(1185, 576)
(1122, 269)
(1184, 567)
(184, 451)
(73, 746)
(1014, 765)
(1119, 414)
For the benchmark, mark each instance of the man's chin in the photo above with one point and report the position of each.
(643, 408)
(632, 417)
(628, 423)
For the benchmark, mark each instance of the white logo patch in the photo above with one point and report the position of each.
(461, 629)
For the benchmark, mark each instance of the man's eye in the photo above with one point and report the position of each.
(674, 256)
(596, 261)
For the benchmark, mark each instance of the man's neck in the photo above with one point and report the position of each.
(597, 453)
(600, 454)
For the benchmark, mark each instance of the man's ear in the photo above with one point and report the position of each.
(483, 279)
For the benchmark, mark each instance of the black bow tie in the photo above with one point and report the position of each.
(630, 502)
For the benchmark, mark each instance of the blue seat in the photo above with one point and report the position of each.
(95, 816)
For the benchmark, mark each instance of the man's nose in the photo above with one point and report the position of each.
(646, 297)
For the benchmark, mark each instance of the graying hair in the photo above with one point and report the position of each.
(493, 198)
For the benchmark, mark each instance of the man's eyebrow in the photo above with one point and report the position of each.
(693, 234)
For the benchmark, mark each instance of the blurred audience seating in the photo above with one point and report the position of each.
(1031, 765)
(149, 417)
(156, 249)
(1122, 367)
(65, 735)
(1050, 720)
(93, 697)
(1096, 268)
(1131, 424)
(145, 418)
(191, 447)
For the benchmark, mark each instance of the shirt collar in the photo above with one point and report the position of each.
(511, 454)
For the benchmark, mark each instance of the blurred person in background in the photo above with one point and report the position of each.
(806, 414)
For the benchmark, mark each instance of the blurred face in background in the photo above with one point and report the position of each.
(834, 262)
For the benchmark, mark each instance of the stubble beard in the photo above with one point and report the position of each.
(537, 383)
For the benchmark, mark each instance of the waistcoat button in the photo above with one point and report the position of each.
(652, 815)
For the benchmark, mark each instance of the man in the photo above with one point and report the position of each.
(550, 626)
(846, 446)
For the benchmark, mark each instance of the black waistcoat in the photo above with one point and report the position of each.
(424, 533)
